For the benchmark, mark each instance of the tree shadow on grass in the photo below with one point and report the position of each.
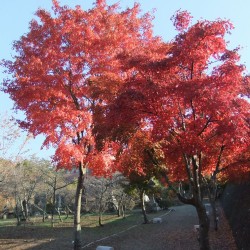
(61, 236)
(13, 237)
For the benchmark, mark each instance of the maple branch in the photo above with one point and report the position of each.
(205, 126)
(169, 183)
(219, 160)
(75, 100)
(78, 137)
(200, 166)
(184, 199)
(189, 201)
(173, 133)
(211, 137)
(183, 67)
(182, 118)
(197, 176)
(155, 161)
(189, 173)
(193, 109)
(245, 161)
(192, 70)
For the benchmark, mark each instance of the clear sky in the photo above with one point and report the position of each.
(15, 16)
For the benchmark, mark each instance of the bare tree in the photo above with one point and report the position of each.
(103, 194)
(56, 180)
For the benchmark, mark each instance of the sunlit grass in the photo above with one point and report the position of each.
(87, 220)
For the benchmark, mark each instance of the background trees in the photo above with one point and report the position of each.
(12, 173)
(54, 182)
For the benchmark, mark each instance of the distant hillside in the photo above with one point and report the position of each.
(236, 204)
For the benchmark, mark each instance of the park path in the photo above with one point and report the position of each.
(176, 232)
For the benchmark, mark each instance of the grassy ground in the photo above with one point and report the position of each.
(36, 234)
(175, 233)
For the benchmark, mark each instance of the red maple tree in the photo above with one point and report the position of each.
(191, 97)
(54, 79)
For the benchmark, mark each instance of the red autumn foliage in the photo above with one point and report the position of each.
(190, 95)
(192, 101)
(75, 71)
(181, 20)
(55, 70)
(141, 160)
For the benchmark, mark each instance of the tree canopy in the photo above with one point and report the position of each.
(56, 66)
(94, 80)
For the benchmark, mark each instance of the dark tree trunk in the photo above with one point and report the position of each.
(215, 215)
(119, 210)
(212, 199)
(25, 210)
(203, 220)
(100, 210)
(44, 210)
(77, 214)
(100, 219)
(211, 188)
(18, 216)
(214, 212)
(204, 226)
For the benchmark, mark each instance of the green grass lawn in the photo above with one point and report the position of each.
(87, 220)
(36, 233)
(111, 222)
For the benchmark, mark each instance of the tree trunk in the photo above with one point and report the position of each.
(44, 213)
(53, 205)
(44, 208)
(203, 219)
(100, 211)
(214, 214)
(123, 211)
(68, 211)
(212, 199)
(212, 195)
(143, 207)
(100, 219)
(25, 210)
(204, 226)
(77, 214)
(119, 210)
(18, 215)
(59, 214)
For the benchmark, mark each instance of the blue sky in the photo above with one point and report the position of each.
(15, 16)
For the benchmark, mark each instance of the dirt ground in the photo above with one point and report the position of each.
(175, 233)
